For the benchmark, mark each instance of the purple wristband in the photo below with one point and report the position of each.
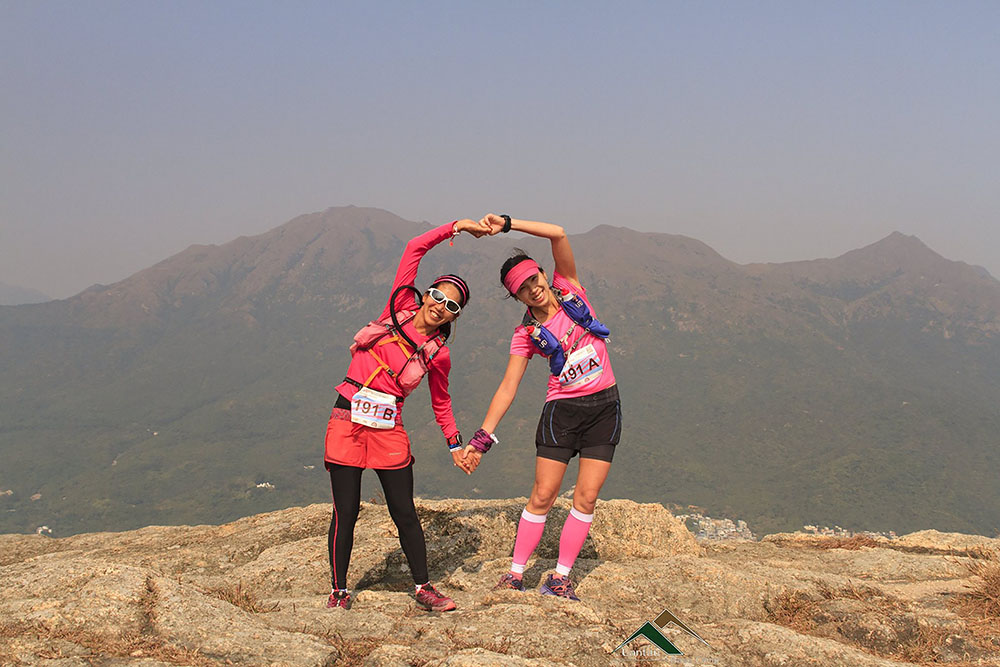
(482, 441)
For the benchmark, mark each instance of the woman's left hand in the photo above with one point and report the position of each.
(493, 222)
(472, 457)
(458, 456)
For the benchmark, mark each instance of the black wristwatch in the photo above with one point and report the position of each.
(506, 223)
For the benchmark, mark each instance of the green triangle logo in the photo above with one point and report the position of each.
(649, 631)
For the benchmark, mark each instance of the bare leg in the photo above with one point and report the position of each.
(548, 478)
(590, 479)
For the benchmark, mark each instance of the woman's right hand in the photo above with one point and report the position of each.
(463, 458)
(477, 229)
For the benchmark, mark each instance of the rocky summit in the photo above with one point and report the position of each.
(254, 591)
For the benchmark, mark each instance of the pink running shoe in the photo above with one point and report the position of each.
(428, 598)
(560, 587)
(342, 599)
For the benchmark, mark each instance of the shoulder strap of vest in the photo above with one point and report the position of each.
(408, 315)
(579, 312)
(389, 326)
(432, 347)
(428, 348)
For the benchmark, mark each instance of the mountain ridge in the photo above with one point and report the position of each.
(16, 295)
(142, 396)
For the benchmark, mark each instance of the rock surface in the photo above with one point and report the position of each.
(253, 592)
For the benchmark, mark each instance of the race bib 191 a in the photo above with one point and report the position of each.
(373, 408)
(582, 367)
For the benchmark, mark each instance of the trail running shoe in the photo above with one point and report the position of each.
(341, 599)
(428, 598)
(509, 582)
(560, 587)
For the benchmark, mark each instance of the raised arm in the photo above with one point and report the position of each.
(415, 250)
(562, 253)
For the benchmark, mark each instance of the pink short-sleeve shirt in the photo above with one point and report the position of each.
(559, 324)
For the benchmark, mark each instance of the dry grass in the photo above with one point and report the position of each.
(127, 644)
(874, 599)
(101, 647)
(979, 606)
(982, 553)
(924, 647)
(792, 609)
(858, 541)
(243, 598)
(976, 552)
(920, 643)
(829, 542)
(850, 543)
(984, 598)
(357, 651)
(460, 641)
(354, 651)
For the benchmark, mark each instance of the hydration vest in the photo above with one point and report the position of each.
(375, 334)
(550, 346)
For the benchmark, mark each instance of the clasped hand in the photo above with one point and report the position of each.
(467, 458)
(477, 229)
(489, 225)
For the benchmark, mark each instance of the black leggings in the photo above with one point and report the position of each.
(397, 485)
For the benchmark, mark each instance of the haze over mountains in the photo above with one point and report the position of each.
(860, 390)
(14, 295)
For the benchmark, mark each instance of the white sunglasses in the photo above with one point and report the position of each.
(452, 307)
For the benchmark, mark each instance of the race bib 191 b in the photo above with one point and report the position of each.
(373, 408)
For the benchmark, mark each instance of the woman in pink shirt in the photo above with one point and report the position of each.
(388, 360)
(582, 412)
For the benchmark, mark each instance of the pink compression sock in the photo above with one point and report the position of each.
(574, 533)
(529, 533)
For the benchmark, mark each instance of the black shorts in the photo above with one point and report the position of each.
(590, 426)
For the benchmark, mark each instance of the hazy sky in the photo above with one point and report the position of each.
(772, 131)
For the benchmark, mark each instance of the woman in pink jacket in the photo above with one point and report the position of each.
(389, 358)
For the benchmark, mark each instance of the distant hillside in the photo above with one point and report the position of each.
(860, 390)
(12, 295)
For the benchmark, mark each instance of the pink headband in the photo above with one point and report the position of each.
(463, 289)
(519, 273)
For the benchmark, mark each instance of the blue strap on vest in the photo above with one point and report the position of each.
(546, 342)
(577, 309)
